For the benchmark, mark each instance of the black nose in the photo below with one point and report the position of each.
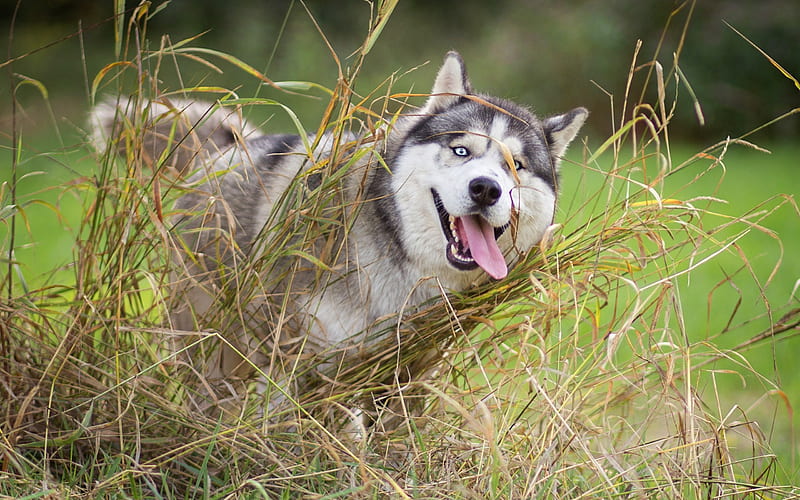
(484, 191)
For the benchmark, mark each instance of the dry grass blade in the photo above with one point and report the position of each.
(772, 61)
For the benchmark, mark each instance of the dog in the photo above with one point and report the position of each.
(443, 198)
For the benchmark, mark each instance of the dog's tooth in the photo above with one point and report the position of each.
(454, 252)
(459, 256)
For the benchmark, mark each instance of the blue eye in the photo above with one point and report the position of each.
(518, 165)
(460, 151)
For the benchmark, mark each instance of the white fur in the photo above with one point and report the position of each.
(353, 301)
(421, 168)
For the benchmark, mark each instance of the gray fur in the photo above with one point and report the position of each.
(395, 240)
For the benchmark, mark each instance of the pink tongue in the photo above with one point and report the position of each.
(483, 246)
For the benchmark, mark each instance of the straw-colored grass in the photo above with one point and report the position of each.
(578, 376)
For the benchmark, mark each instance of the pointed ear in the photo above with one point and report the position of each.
(451, 79)
(561, 129)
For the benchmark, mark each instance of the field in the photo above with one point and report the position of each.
(729, 300)
(722, 302)
(646, 350)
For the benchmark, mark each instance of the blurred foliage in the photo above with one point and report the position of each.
(555, 55)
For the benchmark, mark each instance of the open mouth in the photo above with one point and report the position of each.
(471, 241)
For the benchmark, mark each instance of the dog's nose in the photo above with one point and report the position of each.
(484, 191)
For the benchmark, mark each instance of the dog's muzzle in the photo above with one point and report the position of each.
(471, 240)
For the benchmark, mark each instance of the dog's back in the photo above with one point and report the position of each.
(168, 133)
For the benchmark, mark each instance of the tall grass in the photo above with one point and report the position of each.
(577, 376)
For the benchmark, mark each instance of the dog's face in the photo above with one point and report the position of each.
(475, 180)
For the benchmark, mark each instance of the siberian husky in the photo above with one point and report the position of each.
(442, 198)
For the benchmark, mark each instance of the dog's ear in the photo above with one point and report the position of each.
(561, 129)
(451, 83)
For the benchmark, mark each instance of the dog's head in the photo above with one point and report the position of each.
(475, 179)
